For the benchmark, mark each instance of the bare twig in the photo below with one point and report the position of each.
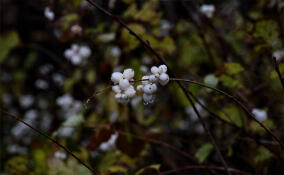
(51, 139)
(202, 167)
(239, 103)
(278, 71)
(159, 142)
(94, 95)
(162, 60)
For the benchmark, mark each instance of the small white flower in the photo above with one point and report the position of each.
(260, 115)
(207, 10)
(48, 13)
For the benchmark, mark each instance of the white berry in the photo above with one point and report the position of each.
(124, 84)
(116, 77)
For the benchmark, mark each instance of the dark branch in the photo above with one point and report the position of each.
(278, 71)
(239, 103)
(162, 60)
(51, 139)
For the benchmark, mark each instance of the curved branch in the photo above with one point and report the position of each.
(239, 103)
(162, 60)
(202, 167)
(51, 139)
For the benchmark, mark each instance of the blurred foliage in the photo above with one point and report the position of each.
(230, 51)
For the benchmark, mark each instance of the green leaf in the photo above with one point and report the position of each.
(7, 42)
(233, 68)
(155, 166)
(267, 30)
(203, 152)
(263, 154)
(130, 42)
(117, 169)
(228, 81)
(233, 114)
(274, 75)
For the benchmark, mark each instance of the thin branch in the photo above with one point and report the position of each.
(51, 139)
(94, 95)
(278, 71)
(239, 103)
(162, 60)
(202, 167)
(159, 142)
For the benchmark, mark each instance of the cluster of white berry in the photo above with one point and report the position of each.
(124, 89)
(77, 54)
(123, 85)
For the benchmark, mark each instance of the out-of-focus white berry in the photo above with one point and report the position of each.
(128, 74)
(76, 29)
(260, 115)
(115, 51)
(48, 14)
(68, 53)
(85, 51)
(148, 98)
(116, 77)
(207, 10)
(74, 46)
(124, 84)
(77, 54)
(154, 70)
(76, 59)
(116, 89)
(117, 96)
(279, 54)
(26, 101)
(140, 88)
(163, 69)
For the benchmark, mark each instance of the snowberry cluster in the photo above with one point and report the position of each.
(124, 88)
(149, 82)
(77, 54)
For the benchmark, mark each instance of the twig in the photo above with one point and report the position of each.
(147, 139)
(278, 71)
(94, 95)
(51, 139)
(246, 110)
(202, 167)
(162, 60)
